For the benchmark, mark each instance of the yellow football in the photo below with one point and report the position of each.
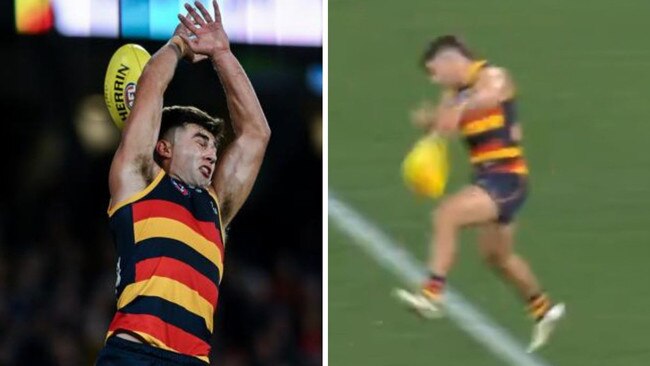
(121, 80)
(426, 168)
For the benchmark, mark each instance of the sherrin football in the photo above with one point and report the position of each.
(426, 168)
(121, 80)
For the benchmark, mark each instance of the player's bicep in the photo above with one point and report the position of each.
(133, 163)
(236, 173)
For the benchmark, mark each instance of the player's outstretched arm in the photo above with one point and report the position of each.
(133, 166)
(239, 164)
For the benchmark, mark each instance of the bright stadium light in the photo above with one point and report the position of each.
(273, 22)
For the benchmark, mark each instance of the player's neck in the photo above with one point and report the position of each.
(177, 176)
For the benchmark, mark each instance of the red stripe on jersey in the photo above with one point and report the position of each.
(178, 271)
(161, 208)
(172, 336)
(518, 166)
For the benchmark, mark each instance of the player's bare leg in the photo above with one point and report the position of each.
(470, 206)
(496, 243)
(496, 246)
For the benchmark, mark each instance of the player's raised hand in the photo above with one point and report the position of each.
(207, 34)
(190, 55)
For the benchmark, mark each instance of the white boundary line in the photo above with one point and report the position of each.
(401, 263)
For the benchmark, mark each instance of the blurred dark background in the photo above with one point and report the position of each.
(57, 260)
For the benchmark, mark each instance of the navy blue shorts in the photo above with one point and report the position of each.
(120, 352)
(509, 191)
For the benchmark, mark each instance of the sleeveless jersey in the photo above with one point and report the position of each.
(170, 262)
(487, 134)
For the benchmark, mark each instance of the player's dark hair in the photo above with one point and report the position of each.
(178, 116)
(448, 41)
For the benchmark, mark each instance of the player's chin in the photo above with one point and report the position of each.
(204, 180)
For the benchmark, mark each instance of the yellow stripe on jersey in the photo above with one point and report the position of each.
(484, 124)
(172, 291)
(161, 227)
(136, 196)
(474, 69)
(213, 194)
(151, 340)
(508, 152)
(519, 170)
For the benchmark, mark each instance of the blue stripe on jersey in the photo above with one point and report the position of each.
(166, 247)
(170, 313)
(501, 134)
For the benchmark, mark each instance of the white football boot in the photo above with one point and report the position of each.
(545, 326)
(422, 305)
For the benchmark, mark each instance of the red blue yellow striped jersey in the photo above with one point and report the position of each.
(170, 262)
(487, 134)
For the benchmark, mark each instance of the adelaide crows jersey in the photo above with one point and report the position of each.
(170, 250)
(488, 135)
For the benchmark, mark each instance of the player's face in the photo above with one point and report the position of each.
(442, 70)
(447, 67)
(194, 155)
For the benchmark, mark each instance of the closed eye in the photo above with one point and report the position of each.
(202, 140)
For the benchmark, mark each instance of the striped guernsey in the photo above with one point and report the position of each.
(487, 133)
(170, 261)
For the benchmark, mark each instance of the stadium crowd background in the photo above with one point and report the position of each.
(56, 255)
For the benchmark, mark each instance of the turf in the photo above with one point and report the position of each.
(581, 69)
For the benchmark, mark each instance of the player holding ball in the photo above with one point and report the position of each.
(478, 102)
(173, 193)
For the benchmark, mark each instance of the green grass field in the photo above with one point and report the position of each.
(582, 71)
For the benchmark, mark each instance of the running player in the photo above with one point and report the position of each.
(164, 213)
(478, 102)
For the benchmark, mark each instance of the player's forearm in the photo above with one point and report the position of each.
(141, 130)
(448, 120)
(160, 69)
(245, 111)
